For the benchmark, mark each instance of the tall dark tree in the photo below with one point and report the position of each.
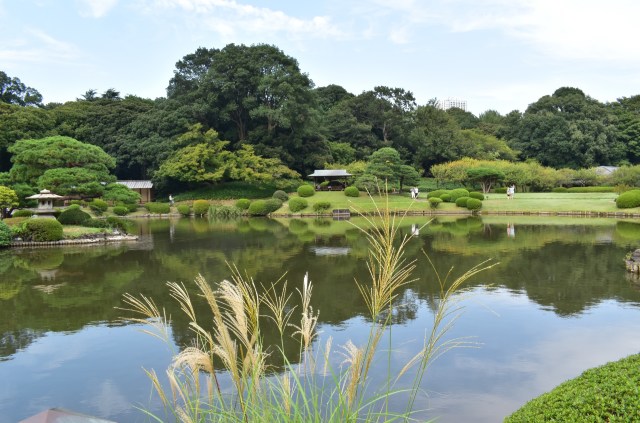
(13, 91)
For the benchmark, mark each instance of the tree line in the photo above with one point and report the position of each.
(244, 110)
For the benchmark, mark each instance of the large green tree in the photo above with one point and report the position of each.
(33, 157)
(8, 201)
(13, 91)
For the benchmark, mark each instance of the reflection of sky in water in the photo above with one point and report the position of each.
(522, 348)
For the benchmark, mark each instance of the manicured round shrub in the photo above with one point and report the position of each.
(73, 216)
(297, 204)
(462, 201)
(95, 223)
(98, 206)
(130, 206)
(436, 193)
(321, 206)
(120, 210)
(434, 202)
(243, 203)
(477, 195)
(200, 207)
(258, 208)
(158, 208)
(352, 191)
(306, 190)
(184, 209)
(446, 197)
(272, 204)
(6, 235)
(22, 213)
(43, 230)
(628, 199)
(474, 204)
(281, 195)
(457, 193)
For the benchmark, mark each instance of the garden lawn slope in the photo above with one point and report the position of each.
(610, 393)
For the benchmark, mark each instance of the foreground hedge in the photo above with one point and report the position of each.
(607, 393)
(628, 199)
(42, 230)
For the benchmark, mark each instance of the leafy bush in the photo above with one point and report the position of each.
(272, 204)
(628, 199)
(184, 209)
(591, 189)
(477, 195)
(321, 206)
(96, 223)
(6, 234)
(457, 193)
(434, 202)
(306, 190)
(281, 195)
(462, 201)
(76, 203)
(200, 207)
(352, 191)
(259, 208)
(158, 208)
(223, 212)
(607, 393)
(119, 223)
(238, 189)
(22, 213)
(120, 210)
(131, 207)
(474, 204)
(500, 190)
(446, 197)
(437, 193)
(559, 189)
(98, 206)
(42, 230)
(243, 203)
(297, 204)
(73, 216)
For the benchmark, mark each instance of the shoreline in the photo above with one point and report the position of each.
(78, 241)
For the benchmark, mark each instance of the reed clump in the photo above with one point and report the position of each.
(229, 345)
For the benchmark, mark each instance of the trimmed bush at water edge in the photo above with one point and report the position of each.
(158, 208)
(474, 204)
(42, 230)
(297, 204)
(6, 235)
(628, 199)
(184, 209)
(200, 207)
(243, 204)
(321, 206)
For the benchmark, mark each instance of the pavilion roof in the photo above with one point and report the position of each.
(329, 173)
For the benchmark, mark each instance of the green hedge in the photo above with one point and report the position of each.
(607, 393)
(500, 190)
(446, 197)
(73, 216)
(184, 209)
(281, 195)
(559, 189)
(306, 190)
(457, 193)
(474, 204)
(437, 193)
(98, 206)
(477, 195)
(42, 230)
(628, 199)
(434, 202)
(96, 223)
(272, 204)
(462, 201)
(352, 191)
(158, 208)
(22, 213)
(243, 203)
(258, 208)
(223, 212)
(120, 210)
(200, 207)
(297, 204)
(591, 189)
(6, 234)
(238, 189)
(321, 206)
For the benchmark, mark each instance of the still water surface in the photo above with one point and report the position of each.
(559, 302)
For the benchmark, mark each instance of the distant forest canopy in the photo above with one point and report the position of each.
(257, 96)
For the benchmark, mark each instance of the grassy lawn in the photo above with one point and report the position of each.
(494, 203)
(72, 232)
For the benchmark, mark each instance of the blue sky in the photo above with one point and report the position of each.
(496, 54)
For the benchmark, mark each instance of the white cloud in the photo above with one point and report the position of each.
(230, 18)
(96, 8)
(37, 47)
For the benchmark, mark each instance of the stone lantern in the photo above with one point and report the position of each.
(45, 203)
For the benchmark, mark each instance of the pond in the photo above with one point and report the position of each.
(559, 301)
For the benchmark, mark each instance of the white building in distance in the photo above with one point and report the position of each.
(452, 102)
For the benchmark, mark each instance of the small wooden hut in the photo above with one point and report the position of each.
(336, 179)
(142, 187)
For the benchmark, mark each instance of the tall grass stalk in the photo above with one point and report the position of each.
(228, 345)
